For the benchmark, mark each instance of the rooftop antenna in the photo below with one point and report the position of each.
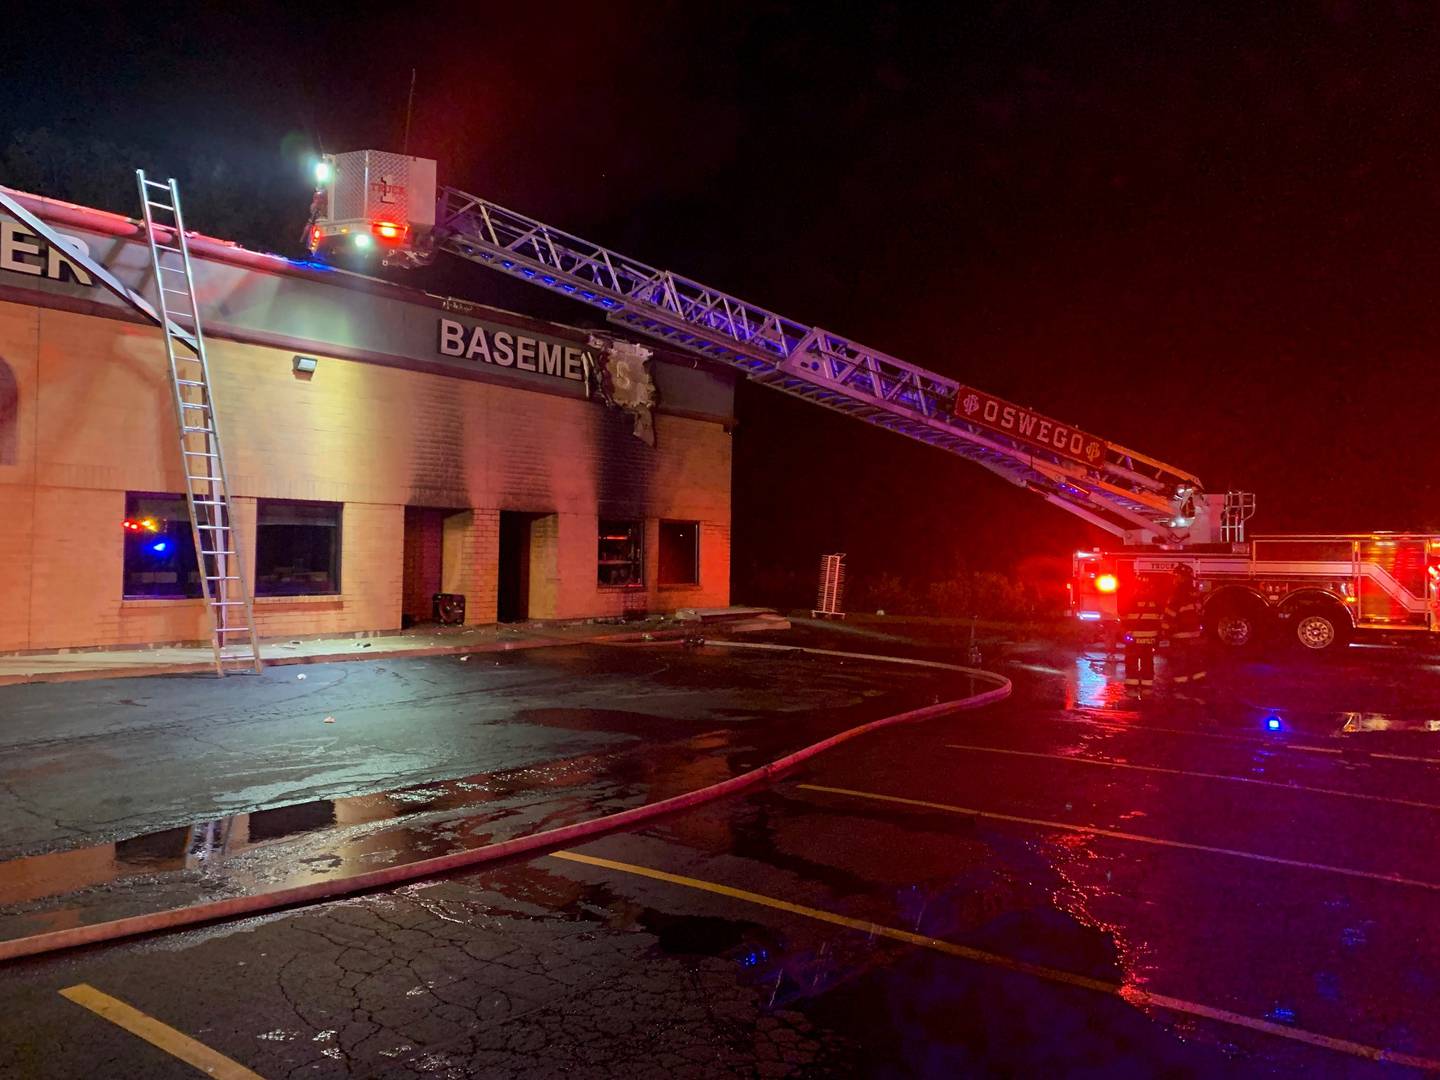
(409, 108)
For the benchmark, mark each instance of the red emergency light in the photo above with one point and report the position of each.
(140, 525)
(1107, 583)
(387, 230)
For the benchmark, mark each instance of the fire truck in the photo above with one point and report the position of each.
(1318, 591)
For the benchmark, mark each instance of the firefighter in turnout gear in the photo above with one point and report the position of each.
(1181, 627)
(1140, 622)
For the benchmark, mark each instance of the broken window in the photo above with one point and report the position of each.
(297, 548)
(621, 561)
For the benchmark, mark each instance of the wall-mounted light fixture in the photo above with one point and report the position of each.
(305, 365)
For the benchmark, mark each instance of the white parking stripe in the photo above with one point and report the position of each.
(1108, 763)
(1139, 838)
(1276, 741)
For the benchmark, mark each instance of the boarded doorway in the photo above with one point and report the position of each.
(526, 561)
(424, 562)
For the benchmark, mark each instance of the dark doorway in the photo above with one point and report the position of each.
(528, 566)
(424, 562)
(513, 599)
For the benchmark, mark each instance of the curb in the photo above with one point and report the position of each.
(57, 940)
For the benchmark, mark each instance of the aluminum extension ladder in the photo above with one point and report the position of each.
(207, 488)
(832, 587)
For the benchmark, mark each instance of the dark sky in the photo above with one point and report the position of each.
(1209, 233)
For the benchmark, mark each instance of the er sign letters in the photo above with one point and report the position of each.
(978, 407)
(22, 252)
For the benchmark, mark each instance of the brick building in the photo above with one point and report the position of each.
(437, 446)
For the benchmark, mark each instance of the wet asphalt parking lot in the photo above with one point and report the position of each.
(1067, 883)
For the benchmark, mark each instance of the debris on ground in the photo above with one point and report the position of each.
(329, 719)
(301, 676)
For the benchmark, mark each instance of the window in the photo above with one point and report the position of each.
(297, 548)
(679, 553)
(159, 548)
(621, 562)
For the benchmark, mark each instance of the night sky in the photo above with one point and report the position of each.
(1211, 235)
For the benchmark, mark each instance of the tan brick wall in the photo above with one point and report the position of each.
(479, 544)
(19, 330)
(16, 544)
(96, 420)
(545, 567)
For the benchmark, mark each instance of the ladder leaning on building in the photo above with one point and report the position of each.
(207, 490)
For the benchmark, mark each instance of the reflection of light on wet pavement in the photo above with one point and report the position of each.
(1367, 721)
(1039, 669)
(1094, 681)
(1086, 872)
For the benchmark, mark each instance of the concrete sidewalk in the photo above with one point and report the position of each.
(73, 664)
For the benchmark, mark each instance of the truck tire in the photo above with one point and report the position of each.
(1237, 625)
(1320, 628)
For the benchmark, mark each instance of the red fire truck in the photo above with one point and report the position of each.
(1314, 591)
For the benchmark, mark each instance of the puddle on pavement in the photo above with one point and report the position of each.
(1092, 684)
(606, 720)
(212, 848)
(700, 935)
(335, 838)
(936, 1010)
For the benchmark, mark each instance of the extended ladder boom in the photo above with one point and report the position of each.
(1130, 495)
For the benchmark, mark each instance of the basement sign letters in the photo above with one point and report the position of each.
(511, 350)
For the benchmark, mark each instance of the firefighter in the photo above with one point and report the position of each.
(1180, 626)
(1140, 622)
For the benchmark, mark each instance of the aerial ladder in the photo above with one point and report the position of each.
(1318, 590)
(376, 199)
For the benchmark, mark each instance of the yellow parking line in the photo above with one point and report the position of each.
(1131, 994)
(1111, 764)
(211, 1062)
(1139, 838)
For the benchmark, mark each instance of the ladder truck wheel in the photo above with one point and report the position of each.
(1321, 627)
(1237, 624)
